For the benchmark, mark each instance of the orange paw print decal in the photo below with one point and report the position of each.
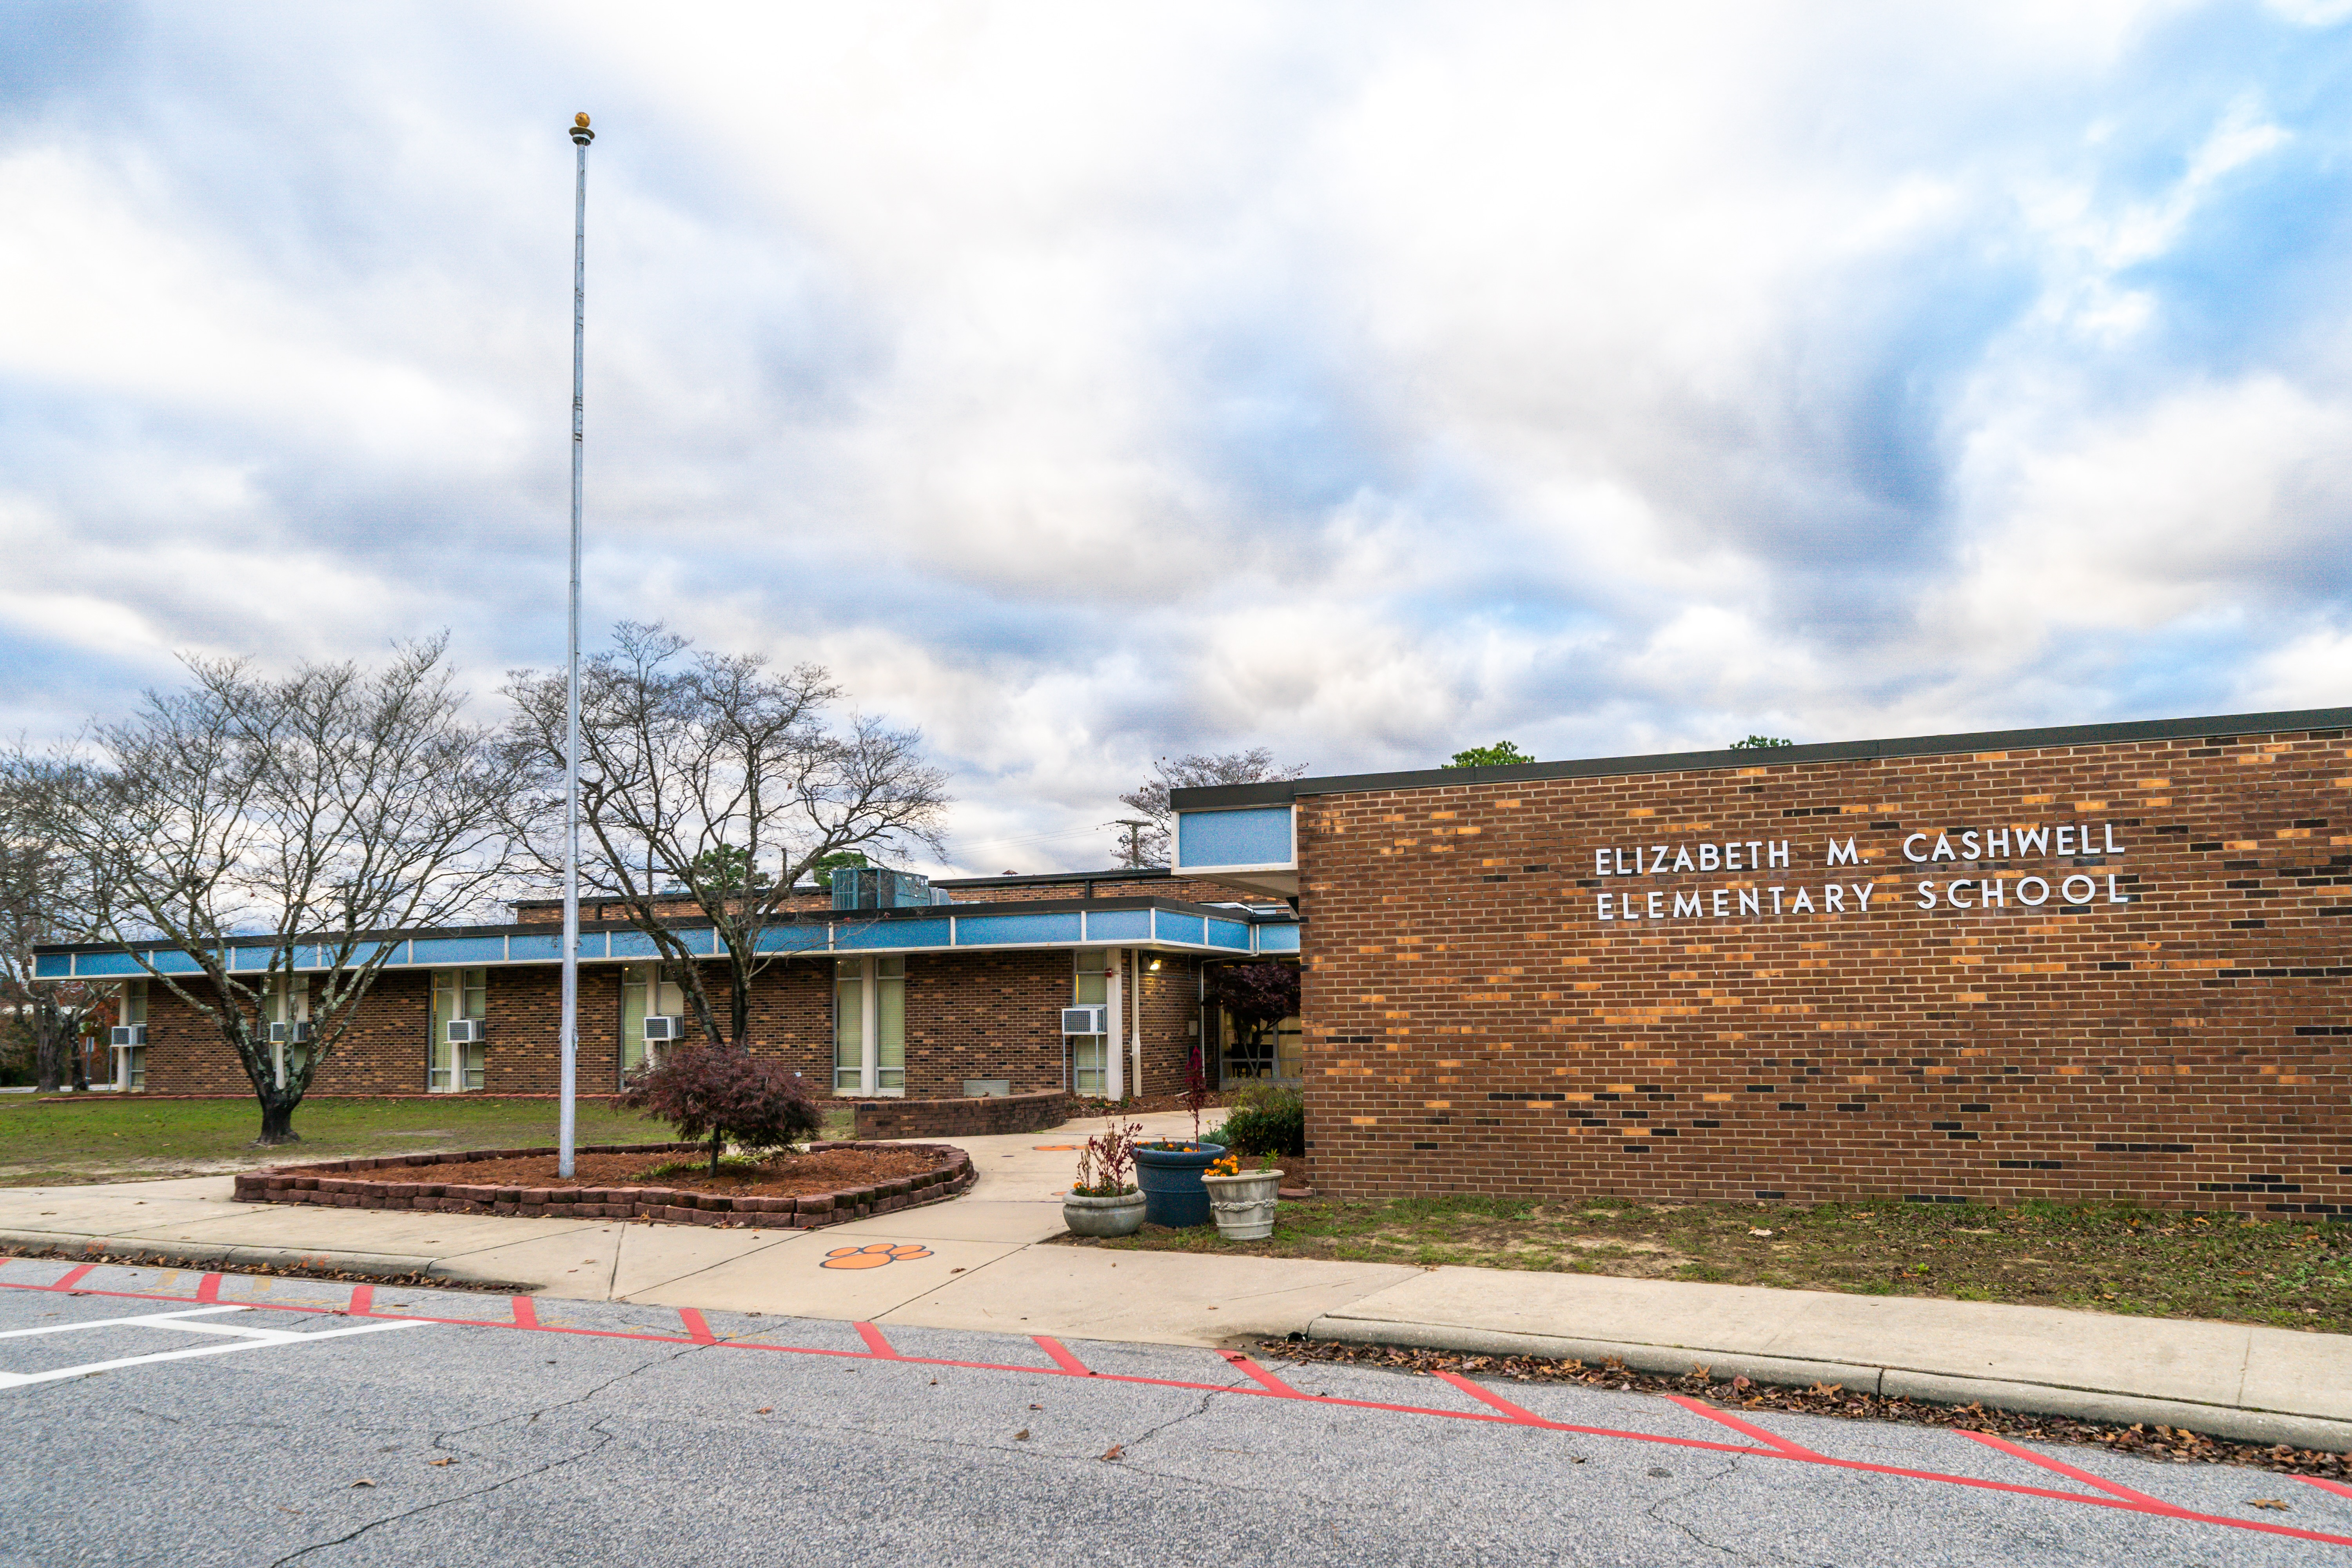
(874, 1255)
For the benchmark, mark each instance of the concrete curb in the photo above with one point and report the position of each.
(2237, 1423)
(129, 1249)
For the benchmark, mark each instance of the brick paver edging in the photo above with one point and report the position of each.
(342, 1184)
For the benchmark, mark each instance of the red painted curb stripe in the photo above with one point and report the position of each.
(1858, 1467)
(1516, 1412)
(362, 1301)
(1062, 1358)
(1260, 1376)
(208, 1287)
(72, 1277)
(697, 1328)
(526, 1312)
(876, 1344)
(1700, 1407)
(2113, 1488)
(2338, 1488)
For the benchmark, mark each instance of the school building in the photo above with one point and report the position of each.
(2094, 961)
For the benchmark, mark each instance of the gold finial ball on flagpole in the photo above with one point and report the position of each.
(580, 131)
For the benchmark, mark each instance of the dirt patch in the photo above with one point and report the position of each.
(2164, 1444)
(786, 1176)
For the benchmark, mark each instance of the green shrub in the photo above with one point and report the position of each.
(1266, 1118)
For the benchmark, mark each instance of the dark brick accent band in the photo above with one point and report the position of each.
(408, 1183)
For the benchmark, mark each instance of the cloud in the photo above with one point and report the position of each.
(1090, 384)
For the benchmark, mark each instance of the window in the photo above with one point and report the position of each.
(642, 994)
(869, 1002)
(457, 994)
(286, 1011)
(1090, 1054)
(130, 1061)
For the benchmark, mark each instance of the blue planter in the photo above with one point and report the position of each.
(1172, 1192)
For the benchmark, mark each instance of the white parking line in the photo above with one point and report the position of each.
(246, 1339)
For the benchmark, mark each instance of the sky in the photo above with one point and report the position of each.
(1085, 384)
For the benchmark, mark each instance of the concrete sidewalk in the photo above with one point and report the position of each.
(977, 1263)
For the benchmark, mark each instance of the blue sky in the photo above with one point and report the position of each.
(1086, 385)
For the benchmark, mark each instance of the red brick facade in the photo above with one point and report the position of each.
(2177, 1037)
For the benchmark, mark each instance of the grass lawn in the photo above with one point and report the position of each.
(52, 1141)
(2097, 1258)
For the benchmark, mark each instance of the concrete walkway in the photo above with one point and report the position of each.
(976, 1263)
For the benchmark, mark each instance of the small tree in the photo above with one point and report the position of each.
(1760, 743)
(1258, 995)
(1501, 754)
(1149, 845)
(728, 1095)
(261, 826)
(699, 773)
(41, 901)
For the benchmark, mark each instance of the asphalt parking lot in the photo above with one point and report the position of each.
(165, 1417)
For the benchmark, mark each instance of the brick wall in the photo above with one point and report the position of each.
(969, 1117)
(1474, 1026)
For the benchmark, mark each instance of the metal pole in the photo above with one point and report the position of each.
(580, 137)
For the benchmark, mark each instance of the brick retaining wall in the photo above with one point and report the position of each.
(972, 1118)
(411, 1185)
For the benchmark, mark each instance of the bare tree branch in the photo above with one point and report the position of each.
(1150, 799)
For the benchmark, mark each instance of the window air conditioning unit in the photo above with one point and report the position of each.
(128, 1035)
(297, 1033)
(660, 1029)
(466, 1031)
(1085, 1020)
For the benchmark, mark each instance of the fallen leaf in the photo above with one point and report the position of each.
(935, 1382)
(1752, 1231)
(437, 1464)
(765, 1410)
(363, 1483)
(1114, 1451)
(2267, 1502)
(955, 1271)
(1022, 1435)
(1036, 1408)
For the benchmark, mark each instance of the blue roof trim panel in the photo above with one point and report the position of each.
(1019, 931)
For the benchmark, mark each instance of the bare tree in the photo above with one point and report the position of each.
(710, 782)
(261, 826)
(39, 900)
(1149, 845)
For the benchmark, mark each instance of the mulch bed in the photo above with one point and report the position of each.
(2171, 1445)
(788, 1175)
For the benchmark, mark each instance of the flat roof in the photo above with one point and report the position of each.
(2229, 725)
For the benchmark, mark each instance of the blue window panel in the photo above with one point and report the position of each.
(791, 938)
(632, 944)
(1173, 926)
(244, 958)
(891, 933)
(53, 965)
(593, 944)
(1034, 930)
(459, 949)
(1229, 934)
(536, 949)
(1252, 835)
(1119, 925)
(1278, 939)
(165, 962)
(99, 965)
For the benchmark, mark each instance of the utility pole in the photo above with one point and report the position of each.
(566, 1120)
(1135, 826)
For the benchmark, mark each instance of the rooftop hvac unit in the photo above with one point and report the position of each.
(297, 1033)
(128, 1035)
(660, 1029)
(466, 1031)
(880, 888)
(1085, 1020)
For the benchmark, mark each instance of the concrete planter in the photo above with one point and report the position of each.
(1170, 1180)
(1244, 1204)
(1120, 1215)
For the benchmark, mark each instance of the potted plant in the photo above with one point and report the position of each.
(1170, 1169)
(1103, 1202)
(1242, 1201)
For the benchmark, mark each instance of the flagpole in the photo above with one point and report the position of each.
(569, 1085)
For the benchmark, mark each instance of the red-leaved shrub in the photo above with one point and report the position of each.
(726, 1094)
